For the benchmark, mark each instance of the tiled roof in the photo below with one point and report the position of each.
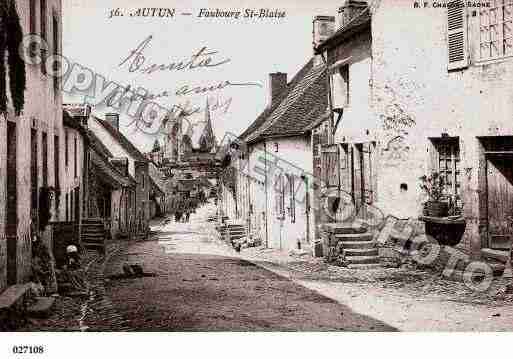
(98, 145)
(259, 121)
(305, 100)
(361, 22)
(305, 103)
(123, 141)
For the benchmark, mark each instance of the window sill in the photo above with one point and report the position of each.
(492, 61)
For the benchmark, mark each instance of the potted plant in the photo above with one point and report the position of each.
(442, 216)
(434, 186)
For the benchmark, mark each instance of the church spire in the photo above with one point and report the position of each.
(208, 139)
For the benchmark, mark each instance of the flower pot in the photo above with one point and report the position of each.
(436, 209)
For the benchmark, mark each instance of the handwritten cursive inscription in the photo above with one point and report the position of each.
(137, 61)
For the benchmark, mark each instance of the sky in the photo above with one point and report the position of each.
(247, 50)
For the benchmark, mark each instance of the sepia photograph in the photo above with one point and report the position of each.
(251, 168)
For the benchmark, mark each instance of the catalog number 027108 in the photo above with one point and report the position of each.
(28, 349)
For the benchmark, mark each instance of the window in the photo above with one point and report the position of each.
(71, 207)
(43, 34)
(66, 146)
(280, 196)
(496, 30)
(33, 170)
(67, 207)
(45, 159)
(292, 198)
(447, 163)
(33, 16)
(55, 31)
(56, 168)
(457, 36)
(75, 159)
(340, 86)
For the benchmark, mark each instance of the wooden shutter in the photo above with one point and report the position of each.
(292, 197)
(457, 40)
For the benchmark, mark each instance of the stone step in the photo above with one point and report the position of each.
(232, 232)
(359, 244)
(501, 256)
(93, 245)
(342, 228)
(364, 266)
(362, 259)
(13, 294)
(92, 239)
(373, 252)
(353, 237)
(42, 307)
(93, 233)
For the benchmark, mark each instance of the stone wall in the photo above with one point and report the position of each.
(42, 111)
(415, 97)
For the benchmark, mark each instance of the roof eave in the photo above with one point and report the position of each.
(336, 39)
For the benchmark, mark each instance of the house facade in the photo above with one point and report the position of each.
(128, 210)
(273, 167)
(424, 90)
(30, 147)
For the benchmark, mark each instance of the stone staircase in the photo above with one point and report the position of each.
(232, 232)
(355, 244)
(93, 234)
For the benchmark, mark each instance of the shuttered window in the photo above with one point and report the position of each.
(496, 30)
(279, 187)
(457, 35)
(292, 199)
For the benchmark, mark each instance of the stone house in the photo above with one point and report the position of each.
(30, 147)
(157, 192)
(72, 184)
(129, 212)
(273, 166)
(423, 90)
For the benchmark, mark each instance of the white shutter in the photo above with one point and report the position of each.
(457, 38)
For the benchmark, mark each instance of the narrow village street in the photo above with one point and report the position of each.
(193, 281)
(200, 285)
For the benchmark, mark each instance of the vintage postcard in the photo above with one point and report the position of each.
(255, 166)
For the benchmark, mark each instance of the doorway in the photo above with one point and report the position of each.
(11, 205)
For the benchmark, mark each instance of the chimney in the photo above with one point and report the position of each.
(277, 84)
(323, 27)
(113, 119)
(349, 11)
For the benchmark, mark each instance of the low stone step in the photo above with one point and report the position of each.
(502, 256)
(342, 228)
(363, 259)
(13, 295)
(233, 234)
(364, 266)
(361, 252)
(93, 245)
(353, 237)
(87, 239)
(359, 244)
(41, 308)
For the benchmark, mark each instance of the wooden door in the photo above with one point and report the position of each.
(330, 168)
(11, 205)
(500, 200)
